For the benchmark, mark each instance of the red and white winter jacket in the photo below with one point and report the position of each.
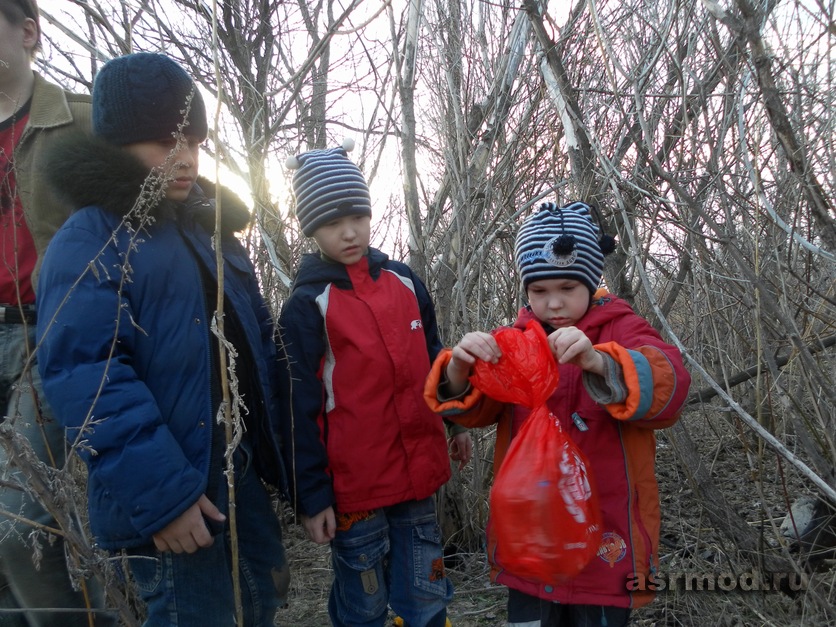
(359, 341)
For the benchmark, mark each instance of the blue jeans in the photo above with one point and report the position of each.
(391, 557)
(196, 590)
(23, 586)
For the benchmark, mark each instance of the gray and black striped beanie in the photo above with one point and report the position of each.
(327, 186)
(560, 243)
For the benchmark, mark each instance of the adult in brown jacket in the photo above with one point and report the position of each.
(33, 113)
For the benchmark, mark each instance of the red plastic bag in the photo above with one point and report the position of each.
(544, 511)
(526, 374)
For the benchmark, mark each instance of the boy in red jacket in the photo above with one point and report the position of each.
(618, 383)
(365, 454)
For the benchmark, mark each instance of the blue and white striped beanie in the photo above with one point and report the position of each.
(327, 186)
(561, 243)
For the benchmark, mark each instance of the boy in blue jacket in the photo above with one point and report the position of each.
(365, 454)
(126, 297)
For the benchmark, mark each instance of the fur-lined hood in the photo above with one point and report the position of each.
(85, 170)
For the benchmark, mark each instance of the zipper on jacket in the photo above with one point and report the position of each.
(217, 436)
(256, 416)
(256, 411)
(579, 423)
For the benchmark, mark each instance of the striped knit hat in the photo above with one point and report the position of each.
(327, 186)
(562, 243)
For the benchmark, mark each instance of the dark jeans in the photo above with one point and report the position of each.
(528, 611)
(196, 589)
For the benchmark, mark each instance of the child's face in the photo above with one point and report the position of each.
(180, 161)
(558, 302)
(345, 239)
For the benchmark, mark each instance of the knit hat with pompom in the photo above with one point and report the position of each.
(327, 186)
(562, 243)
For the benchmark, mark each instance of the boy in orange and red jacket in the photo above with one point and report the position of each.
(618, 383)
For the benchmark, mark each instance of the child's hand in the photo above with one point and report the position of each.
(570, 345)
(188, 532)
(461, 448)
(473, 346)
(322, 527)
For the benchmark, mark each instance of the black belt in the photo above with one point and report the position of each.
(17, 314)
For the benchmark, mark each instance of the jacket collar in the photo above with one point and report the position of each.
(314, 268)
(87, 171)
(49, 105)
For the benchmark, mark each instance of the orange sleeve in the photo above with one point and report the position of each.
(628, 407)
(655, 389)
(473, 409)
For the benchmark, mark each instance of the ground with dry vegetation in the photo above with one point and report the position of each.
(689, 545)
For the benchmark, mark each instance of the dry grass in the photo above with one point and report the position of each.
(689, 545)
(476, 602)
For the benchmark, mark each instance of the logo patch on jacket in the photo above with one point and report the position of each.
(613, 548)
(415, 325)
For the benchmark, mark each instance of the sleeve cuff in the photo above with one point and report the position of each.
(608, 388)
(444, 394)
(454, 429)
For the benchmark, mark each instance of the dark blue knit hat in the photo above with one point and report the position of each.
(144, 97)
(562, 243)
(327, 186)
